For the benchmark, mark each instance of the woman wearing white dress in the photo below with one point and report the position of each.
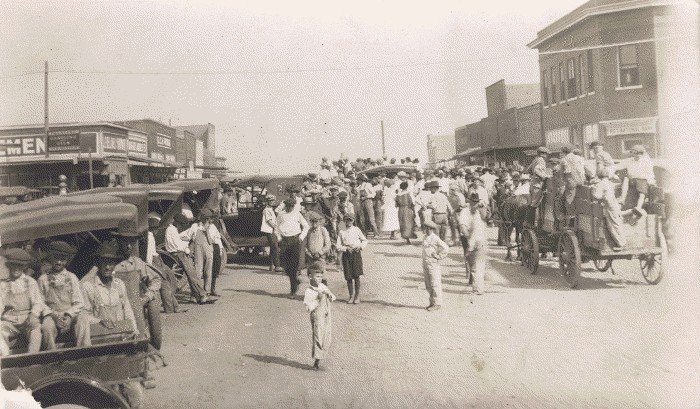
(391, 212)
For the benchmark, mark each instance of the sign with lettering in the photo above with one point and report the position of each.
(58, 142)
(630, 126)
(164, 141)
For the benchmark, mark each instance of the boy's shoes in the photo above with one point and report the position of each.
(433, 308)
(356, 300)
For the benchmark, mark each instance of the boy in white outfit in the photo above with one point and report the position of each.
(434, 249)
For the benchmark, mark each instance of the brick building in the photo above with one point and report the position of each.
(509, 134)
(204, 162)
(162, 160)
(598, 75)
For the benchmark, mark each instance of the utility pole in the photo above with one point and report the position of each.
(383, 143)
(46, 108)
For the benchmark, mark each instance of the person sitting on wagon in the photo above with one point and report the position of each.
(604, 190)
(538, 169)
(23, 303)
(64, 299)
(572, 168)
(640, 175)
(603, 160)
(106, 300)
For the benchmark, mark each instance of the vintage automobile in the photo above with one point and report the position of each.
(244, 227)
(17, 194)
(111, 372)
(390, 170)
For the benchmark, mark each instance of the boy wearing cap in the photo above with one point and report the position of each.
(317, 299)
(269, 223)
(106, 300)
(474, 243)
(350, 243)
(318, 241)
(434, 250)
(64, 299)
(23, 303)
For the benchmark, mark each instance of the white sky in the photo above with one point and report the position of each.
(421, 69)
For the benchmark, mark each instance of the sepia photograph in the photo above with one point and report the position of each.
(366, 204)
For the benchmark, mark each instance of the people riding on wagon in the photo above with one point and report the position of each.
(22, 303)
(106, 300)
(573, 171)
(604, 190)
(539, 172)
(64, 318)
(640, 175)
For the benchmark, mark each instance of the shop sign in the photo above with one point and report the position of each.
(114, 144)
(630, 126)
(164, 141)
(58, 142)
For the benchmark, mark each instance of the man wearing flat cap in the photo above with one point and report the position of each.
(23, 303)
(538, 170)
(106, 299)
(64, 299)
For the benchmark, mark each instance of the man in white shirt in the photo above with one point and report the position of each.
(640, 175)
(367, 195)
(267, 227)
(291, 229)
(180, 250)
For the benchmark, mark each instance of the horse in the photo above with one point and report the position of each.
(514, 212)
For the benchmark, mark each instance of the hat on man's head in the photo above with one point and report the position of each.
(342, 193)
(553, 159)
(432, 184)
(430, 223)
(18, 256)
(349, 216)
(110, 250)
(543, 149)
(60, 248)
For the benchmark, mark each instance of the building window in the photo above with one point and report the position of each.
(571, 78)
(545, 88)
(589, 71)
(627, 144)
(552, 77)
(628, 66)
(562, 82)
(581, 75)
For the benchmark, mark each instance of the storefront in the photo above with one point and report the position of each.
(621, 135)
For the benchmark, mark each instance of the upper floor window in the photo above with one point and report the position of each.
(581, 74)
(571, 78)
(589, 71)
(545, 87)
(628, 66)
(562, 82)
(552, 77)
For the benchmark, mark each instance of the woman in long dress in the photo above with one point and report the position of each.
(391, 212)
(404, 201)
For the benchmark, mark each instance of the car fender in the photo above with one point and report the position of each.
(57, 389)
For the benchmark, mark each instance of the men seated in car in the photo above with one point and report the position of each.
(106, 300)
(23, 303)
(150, 281)
(64, 299)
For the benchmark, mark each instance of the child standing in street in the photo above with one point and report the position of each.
(351, 241)
(434, 249)
(317, 300)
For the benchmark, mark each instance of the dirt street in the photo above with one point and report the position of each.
(529, 341)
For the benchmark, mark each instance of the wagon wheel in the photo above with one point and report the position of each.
(177, 269)
(602, 265)
(652, 264)
(570, 258)
(530, 250)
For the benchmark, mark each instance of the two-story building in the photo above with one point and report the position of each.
(441, 149)
(161, 163)
(511, 132)
(598, 75)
